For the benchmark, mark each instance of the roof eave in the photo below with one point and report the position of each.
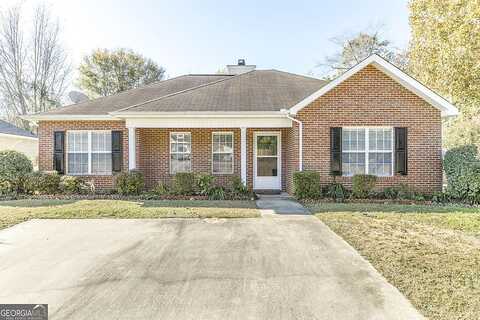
(18, 136)
(67, 117)
(200, 114)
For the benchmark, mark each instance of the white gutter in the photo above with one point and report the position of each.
(300, 138)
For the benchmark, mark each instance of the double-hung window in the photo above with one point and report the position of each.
(222, 152)
(367, 151)
(89, 152)
(180, 152)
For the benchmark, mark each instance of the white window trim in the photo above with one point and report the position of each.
(233, 151)
(89, 132)
(170, 150)
(367, 147)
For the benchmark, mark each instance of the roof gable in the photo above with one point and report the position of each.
(446, 108)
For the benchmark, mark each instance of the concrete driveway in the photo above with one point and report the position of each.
(288, 267)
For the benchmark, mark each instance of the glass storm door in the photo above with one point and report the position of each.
(267, 162)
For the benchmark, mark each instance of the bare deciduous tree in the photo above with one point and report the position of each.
(354, 49)
(33, 71)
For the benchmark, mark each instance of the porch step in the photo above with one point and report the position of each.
(268, 192)
(270, 196)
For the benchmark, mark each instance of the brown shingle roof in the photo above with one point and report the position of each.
(104, 105)
(259, 90)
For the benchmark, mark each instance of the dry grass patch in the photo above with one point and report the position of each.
(433, 258)
(13, 212)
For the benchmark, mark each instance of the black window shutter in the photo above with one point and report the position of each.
(59, 151)
(117, 155)
(401, 151)
(336, 151)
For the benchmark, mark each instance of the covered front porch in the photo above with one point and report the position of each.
(263, 151)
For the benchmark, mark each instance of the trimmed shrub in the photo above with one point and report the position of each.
(184, 183)
(462, 168)
(362, 185)
(14, 168)
(306, 185)
(204, 182)
(336, 191)
(39, 182)
(130, 183)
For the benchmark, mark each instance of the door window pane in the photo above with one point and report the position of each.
(267, 146)
(267, 167)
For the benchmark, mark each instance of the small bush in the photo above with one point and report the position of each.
(216, 193)
(405, 192)
(306, 185)
(441, 197)
(462, 168)
(184, 183)
(238, 188)
(130, 183)
(73, 185)
(161, 189)
(204, 182)
(390, 192)
(5, 188)
(43, 182)
(402, 192)
(14, 168)
(336, 191)
(362, 185)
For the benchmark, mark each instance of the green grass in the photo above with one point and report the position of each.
(431, 253)
(13, 212)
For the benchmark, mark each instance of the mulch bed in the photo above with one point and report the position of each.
(376, 201)
(102, 197)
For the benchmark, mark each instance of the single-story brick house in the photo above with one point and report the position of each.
(261, 125)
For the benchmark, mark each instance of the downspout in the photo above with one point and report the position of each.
(300, 138)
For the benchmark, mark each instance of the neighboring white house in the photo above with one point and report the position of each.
(14, 138)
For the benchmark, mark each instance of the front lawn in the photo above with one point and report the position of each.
(16, 211)
(432, 254)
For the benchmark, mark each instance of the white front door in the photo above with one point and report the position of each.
(267, 163)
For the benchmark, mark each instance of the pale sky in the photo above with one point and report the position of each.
(203, 36)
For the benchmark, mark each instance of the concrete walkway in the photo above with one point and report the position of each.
(280, 204)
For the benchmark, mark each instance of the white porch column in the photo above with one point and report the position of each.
(243, 154)
(132, 157)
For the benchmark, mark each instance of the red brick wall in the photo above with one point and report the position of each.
(371, 98)
(154, 155)
(45, 135)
